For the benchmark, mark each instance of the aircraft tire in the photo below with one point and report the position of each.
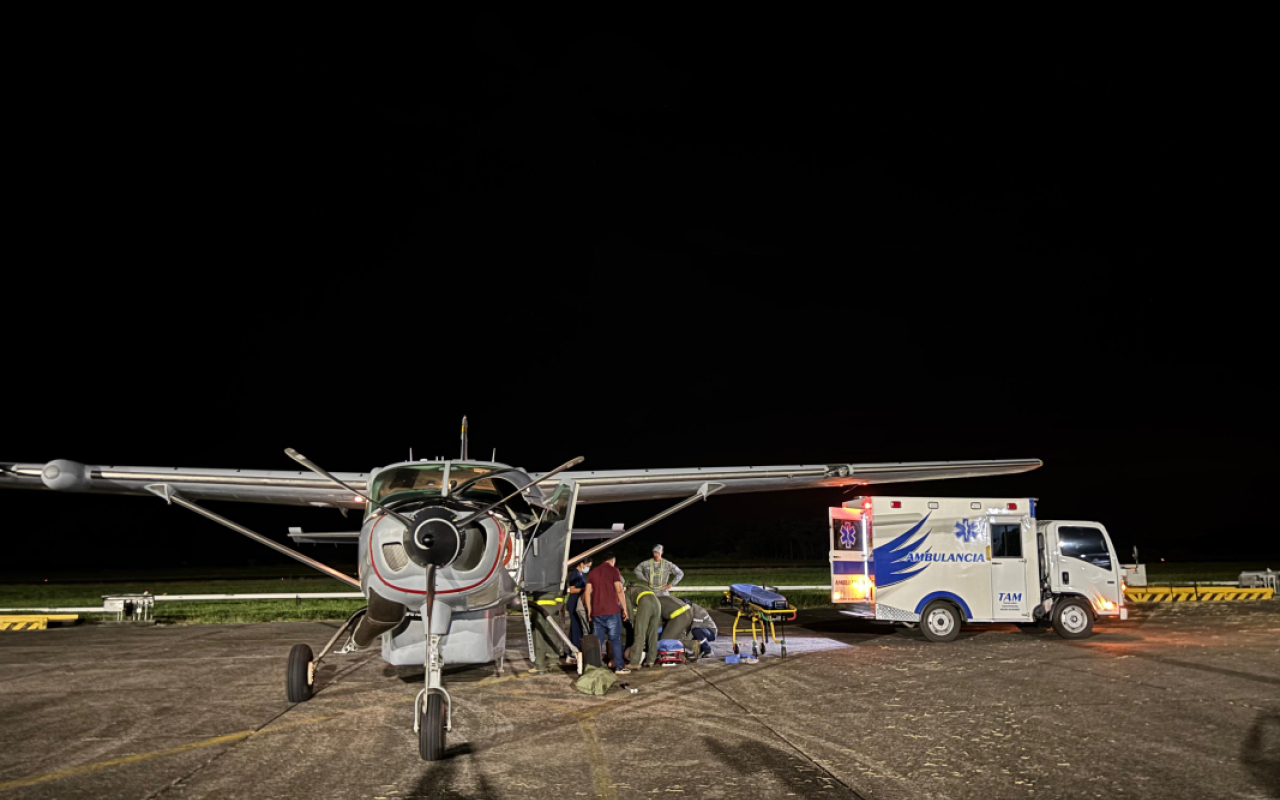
(591, 650)
(940, 621)
(299, 674)
(431, 729)
(1072, 618)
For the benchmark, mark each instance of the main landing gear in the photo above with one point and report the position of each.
(300, 675)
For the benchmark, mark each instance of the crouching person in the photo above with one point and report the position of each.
(677, 622)
(702, 629)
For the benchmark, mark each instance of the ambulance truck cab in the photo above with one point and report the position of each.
(942, 562)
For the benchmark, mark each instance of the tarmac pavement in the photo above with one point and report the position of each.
(1183, 701)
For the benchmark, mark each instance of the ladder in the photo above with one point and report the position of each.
(528, 624)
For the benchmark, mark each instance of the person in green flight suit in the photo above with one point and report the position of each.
(677, 620)
(646, 612)
(546, 644)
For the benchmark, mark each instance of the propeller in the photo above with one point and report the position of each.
(309, 464)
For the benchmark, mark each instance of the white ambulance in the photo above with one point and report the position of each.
(942, 562)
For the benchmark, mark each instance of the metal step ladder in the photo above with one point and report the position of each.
(528, 623)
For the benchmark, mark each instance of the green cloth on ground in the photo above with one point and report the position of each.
(596, 680)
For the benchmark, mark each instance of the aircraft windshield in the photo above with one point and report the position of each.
(461, 474)
(426, 479)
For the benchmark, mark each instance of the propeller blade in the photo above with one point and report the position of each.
(309, 464)
(495, 504)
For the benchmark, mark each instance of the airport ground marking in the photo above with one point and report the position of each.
(213, 741)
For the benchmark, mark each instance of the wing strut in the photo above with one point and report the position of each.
(704, 491)
(169, 495)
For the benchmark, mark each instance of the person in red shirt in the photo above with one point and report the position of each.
(607, 607)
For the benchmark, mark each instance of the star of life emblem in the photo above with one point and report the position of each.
(968, 530)
(848, 534)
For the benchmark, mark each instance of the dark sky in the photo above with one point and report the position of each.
(648, 244)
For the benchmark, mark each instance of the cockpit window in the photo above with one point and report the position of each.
(468, 478)
(424, 479)
(427, 480)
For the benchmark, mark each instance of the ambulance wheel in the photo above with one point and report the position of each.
(299, 678)
(591, 650)
(431, 729)
(940, 621)
(1071, 619)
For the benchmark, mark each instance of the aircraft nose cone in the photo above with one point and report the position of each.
(433, 539)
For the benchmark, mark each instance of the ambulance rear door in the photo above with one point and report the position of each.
(852, 589)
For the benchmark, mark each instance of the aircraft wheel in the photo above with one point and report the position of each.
(735, 648)
(591, 650)
(940, 622)
(431, 729)
(784, 651)
(300, 675)
(1071, 619)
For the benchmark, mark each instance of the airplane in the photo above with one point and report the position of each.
(435, 532)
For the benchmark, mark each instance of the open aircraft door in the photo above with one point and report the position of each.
(852, 573)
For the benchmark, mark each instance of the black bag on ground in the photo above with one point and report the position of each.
(591, 650)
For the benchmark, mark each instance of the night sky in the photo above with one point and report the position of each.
(652, 245)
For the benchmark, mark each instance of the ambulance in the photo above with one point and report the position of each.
(944, 562)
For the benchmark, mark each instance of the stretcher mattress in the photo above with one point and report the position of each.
(758, 595)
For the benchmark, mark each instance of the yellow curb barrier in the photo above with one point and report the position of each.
(1201, 594)
(33, 622)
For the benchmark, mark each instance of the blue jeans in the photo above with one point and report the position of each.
(704, 637)
(610, 627)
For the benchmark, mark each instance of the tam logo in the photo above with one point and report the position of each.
(1010, 597)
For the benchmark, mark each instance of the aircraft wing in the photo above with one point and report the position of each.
(614, 486)
(247, 485)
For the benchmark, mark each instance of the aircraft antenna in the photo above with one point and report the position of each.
(494, 457)
(464, 439)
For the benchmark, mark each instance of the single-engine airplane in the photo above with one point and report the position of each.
(435, 534)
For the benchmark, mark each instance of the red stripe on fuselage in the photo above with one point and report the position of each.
(502, 536)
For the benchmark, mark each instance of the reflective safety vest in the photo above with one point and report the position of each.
(659, 572)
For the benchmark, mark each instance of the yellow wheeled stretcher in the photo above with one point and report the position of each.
(763, 607)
